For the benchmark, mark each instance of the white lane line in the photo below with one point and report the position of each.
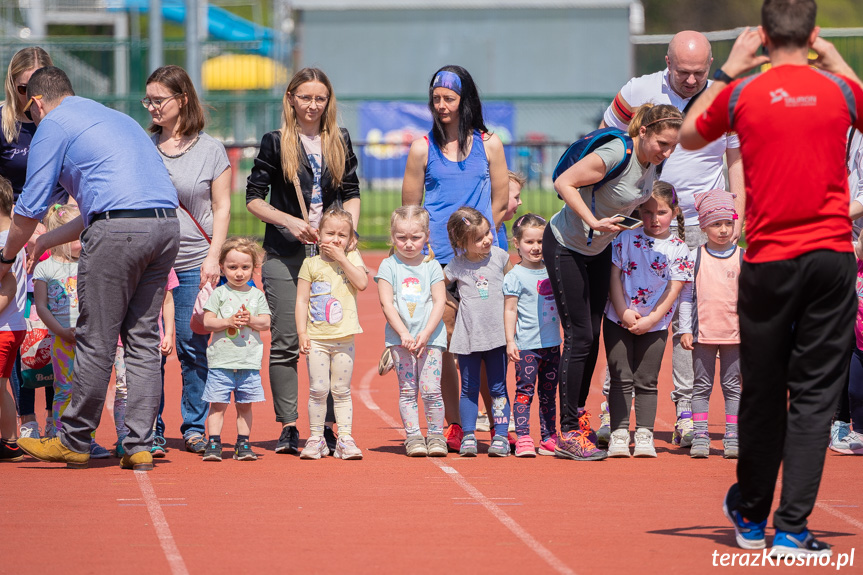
(160, 524)
(836, 513)
(490, 506)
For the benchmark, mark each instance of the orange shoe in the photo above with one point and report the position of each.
(453, 435)
(584, 425)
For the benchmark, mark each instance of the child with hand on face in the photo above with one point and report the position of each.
(327, 321)
(236, 313)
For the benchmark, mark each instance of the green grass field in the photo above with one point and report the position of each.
(377, 206)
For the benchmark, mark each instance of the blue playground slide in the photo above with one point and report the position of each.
(221, 24)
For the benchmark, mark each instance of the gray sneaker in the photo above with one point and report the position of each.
(415, 446)
(618, 446)
(499, 447)
(436, 445)
(644, 443)
(700, 446)
(730, 446)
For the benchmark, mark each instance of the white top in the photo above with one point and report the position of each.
(689, 171)
(855, 176)
(12, 317)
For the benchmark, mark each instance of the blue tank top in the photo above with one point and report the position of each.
(450, 185)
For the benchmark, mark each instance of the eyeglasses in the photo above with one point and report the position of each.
(158, 102)
(30, 102)
(306, 99)
(22, 89)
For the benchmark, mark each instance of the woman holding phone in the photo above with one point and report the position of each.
(577, 251)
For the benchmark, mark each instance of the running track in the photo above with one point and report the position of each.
(389, 513)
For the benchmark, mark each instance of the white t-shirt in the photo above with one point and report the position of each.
(312, 147)
(12, 317)
(689, 171)
(855, 176)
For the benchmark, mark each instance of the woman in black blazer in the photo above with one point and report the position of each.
(312, 152)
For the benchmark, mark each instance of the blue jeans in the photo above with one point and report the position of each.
(192, 353)
(495, 361)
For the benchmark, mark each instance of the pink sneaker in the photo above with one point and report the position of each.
(547, 447)
(524, 446)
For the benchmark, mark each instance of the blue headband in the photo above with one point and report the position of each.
(449, 80)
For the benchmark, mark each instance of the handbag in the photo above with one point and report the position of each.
(36, 367)
(196, 322)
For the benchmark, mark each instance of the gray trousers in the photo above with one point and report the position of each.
(122, 273)
(704, 364)
(280, 276)
(681, 360)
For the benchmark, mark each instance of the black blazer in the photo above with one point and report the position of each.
(267, 177)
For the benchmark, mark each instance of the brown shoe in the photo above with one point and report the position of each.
(53, 451)
(140, 461)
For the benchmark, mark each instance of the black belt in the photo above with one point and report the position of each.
(148, 213)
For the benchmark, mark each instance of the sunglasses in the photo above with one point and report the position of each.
(30, 102)
(22, 89)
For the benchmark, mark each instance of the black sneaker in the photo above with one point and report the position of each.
(289, 440)
(330, 438)
(243, 452)
(196, 443)
(213, 451)
(10, 452)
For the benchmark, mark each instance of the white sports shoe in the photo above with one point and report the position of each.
(347, 449)
(644, 443)
(30, 429)
(618, 445)
(316, 447)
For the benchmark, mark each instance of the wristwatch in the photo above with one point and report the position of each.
(721, 76)
(3, 260)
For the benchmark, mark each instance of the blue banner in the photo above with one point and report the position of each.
(388, 128)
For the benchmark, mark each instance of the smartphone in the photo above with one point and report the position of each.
(628, 222)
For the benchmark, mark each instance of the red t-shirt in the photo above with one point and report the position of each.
(793, 127)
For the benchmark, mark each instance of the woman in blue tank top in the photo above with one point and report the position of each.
(459, 163)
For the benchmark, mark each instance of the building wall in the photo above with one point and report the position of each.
(509, 52)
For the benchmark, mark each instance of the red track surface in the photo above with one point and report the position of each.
(388, 513)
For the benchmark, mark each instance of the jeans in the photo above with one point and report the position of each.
(192, 353)
(495, 361)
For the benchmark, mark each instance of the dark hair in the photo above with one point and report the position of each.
(7, 197)
(526, 221)
(788, 22)
(666, 192)
(177, 80)
(461, 227)
(51, 83)
(469, 110)
(655, 119)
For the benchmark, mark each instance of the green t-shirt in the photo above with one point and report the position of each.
(236, 349)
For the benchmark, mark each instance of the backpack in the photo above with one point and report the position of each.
(584, 146)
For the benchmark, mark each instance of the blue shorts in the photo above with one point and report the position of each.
(244, 383)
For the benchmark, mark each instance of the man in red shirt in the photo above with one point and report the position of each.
(797, 300)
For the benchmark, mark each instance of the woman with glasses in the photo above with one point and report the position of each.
(459, 163)
(310, 157)
(15, 136)
(201, 172)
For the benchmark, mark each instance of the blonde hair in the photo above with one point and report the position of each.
(243, 245)
(59, 215)
(517, 177)
(332, 143)
(336, 212)
(410, 213)
(462, 227)
(655, 119)
(23, 60)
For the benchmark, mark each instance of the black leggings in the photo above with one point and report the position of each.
(580, 285)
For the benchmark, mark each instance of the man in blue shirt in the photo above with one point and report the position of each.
(129, 235)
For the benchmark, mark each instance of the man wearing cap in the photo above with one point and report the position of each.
(129, 238)
(689, 58)
(797, 300)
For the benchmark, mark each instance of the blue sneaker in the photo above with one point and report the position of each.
(749, 535)
(97, 451)
(158, 450)
(787, 544)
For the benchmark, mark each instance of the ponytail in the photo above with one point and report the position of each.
(655, 118)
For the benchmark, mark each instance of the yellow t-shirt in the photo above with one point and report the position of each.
(333, 300)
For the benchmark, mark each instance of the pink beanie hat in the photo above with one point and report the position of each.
(714, 206)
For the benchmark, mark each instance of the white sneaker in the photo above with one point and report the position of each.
(618, 445)
(482, 422)
(347, 449)
(50, 430)
(644, 443)
(316, 447)
(30, 429)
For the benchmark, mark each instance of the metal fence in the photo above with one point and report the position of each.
(382, 194)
